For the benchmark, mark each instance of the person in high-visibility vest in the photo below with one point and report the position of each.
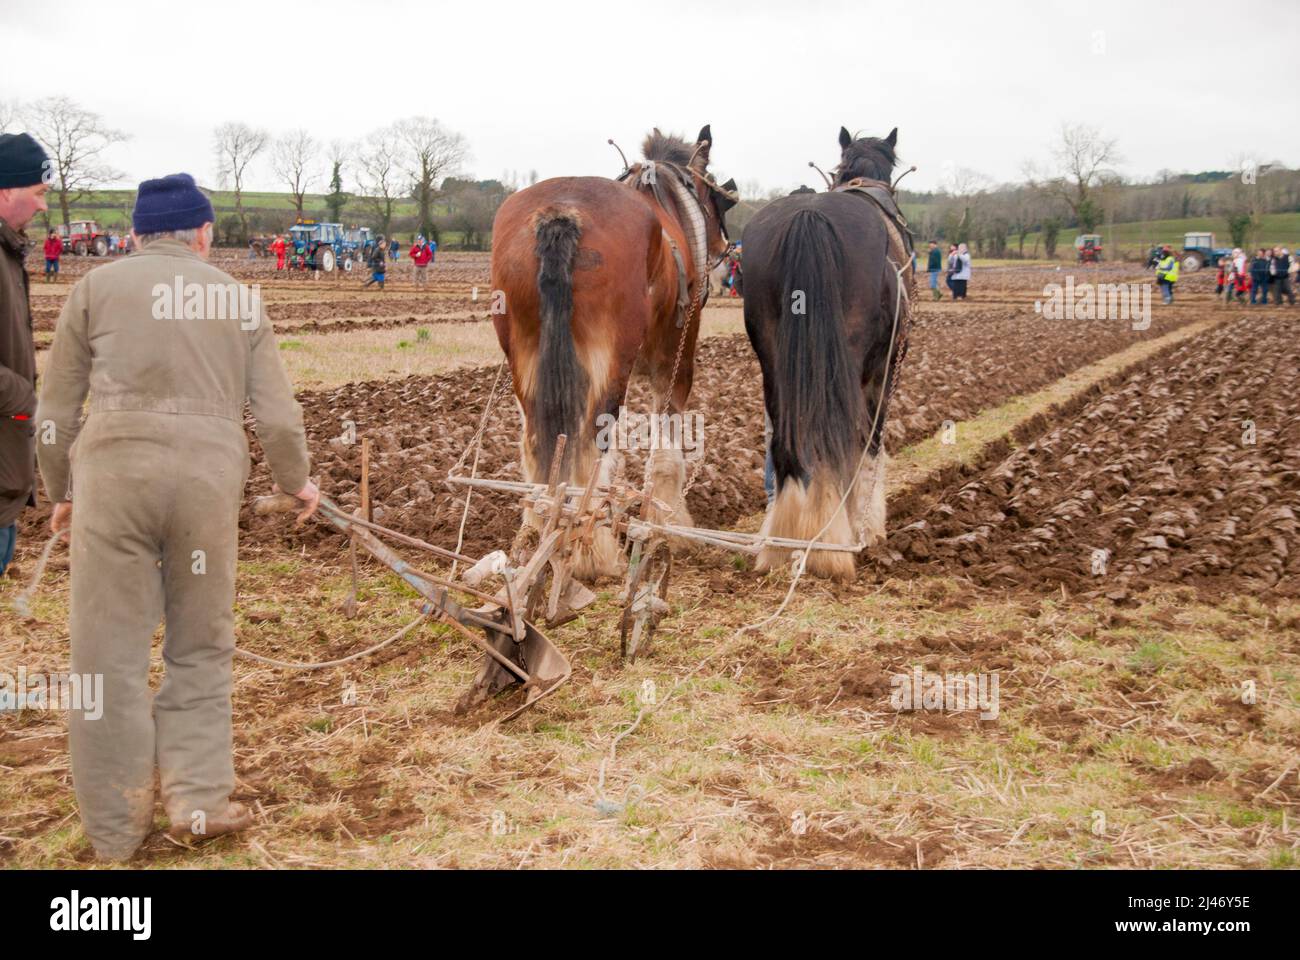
(1167, 273)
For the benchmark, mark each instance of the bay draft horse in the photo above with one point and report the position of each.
(820, 299)
(591, 277)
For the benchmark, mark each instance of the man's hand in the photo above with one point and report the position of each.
(61, 519)
(309, 495)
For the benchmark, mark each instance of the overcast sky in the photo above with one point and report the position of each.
(541, 86)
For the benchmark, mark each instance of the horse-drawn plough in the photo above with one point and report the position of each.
(534, 578)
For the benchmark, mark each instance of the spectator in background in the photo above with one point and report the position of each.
(278, 248)
(1167, 273)
(962, 275)
(933, 265)
(1259, 277)
(394, 248)
(951, 267)
(736, 275)
(1240, 282)
(1280, 276)
(376, 263)
(53, 250)
(421, 255)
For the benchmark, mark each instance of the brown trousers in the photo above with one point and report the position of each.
(154, 537)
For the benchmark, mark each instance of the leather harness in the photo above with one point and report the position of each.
(881, 194)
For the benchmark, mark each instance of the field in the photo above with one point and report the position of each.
(1102, 517)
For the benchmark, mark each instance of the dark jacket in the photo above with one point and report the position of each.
(377, 258)
(935, 260)
(1280, 266)
(17, 380)
(1259, 269)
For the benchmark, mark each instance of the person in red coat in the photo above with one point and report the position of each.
(53, 250)
(421, 254)
(277, 247)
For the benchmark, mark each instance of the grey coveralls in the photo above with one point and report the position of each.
(156, 476)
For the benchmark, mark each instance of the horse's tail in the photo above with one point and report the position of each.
(560, 397)
(817, 423)
(819, 414)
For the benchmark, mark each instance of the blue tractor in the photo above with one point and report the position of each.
(324, 246)
(1199, 251)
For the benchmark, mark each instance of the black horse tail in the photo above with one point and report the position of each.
(560, 396)
(818, 414)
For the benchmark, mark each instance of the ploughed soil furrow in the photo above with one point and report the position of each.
(420, 426)
(1185, 470)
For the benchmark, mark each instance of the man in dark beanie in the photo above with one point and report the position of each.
(23, 181)
(169, 348)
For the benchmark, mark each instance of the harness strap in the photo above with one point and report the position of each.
(683, 283)
(882, 197)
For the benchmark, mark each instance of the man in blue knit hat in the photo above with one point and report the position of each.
(23, 182)
(152, 502)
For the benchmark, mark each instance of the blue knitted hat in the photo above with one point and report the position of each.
(22, 161)
(170, 203)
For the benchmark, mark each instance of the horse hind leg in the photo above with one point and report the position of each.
(800, 513)
(869, 512)
(668, 477)
(602, 557)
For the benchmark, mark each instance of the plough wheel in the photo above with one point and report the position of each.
(650, 567)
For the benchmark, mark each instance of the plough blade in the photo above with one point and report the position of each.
(536, 656)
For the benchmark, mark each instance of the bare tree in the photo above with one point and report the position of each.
(341, 155)
(1083, 160)
(380, 174)
(75, 139)
(966, 191)
(293, 159)
(428, 152)
(1238, 197)
(8, 115)
(236, 144)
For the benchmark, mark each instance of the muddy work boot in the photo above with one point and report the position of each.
(236, 817)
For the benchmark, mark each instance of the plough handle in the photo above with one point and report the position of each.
(277, 503)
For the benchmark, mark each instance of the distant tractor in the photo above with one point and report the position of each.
(1088, 246)
(360, 240)
(1199, 251)
(82, 237)
(321, 246)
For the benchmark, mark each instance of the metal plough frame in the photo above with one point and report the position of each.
(539, 585)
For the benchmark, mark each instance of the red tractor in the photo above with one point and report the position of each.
(1089, 247)
(84, 236)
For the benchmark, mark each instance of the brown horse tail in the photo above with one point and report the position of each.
(818, 416)
(560, 398)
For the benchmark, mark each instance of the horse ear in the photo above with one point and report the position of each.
(703, 143)
(845, 138)
(893, 137)
(725, 199)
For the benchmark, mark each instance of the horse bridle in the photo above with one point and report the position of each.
(686, 177)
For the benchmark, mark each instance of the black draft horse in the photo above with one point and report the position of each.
(822, 290)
